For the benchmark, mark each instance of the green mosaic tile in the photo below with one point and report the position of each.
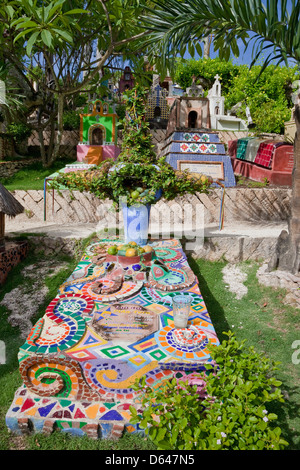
(158, 355)
(114, 351)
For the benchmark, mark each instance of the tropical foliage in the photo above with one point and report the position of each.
(53, 44)
(205, 71)
(270, 27)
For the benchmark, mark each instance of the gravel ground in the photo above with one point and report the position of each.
(23, 302)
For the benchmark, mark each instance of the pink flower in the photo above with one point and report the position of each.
(194, 379)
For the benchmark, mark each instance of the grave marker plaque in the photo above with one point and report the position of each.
(125, 323)
(213, 169)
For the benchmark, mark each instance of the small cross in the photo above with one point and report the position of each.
(217, 77)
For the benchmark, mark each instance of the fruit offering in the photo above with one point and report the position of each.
(141, 195)
(129, 249)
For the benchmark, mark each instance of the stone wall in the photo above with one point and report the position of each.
(7, 169)
(241, 204)
(68, 145)
(10, 255)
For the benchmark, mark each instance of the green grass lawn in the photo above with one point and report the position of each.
(261, 317)
(32, 176)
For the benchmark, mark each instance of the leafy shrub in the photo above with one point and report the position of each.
(19, 131)
(206, 69)
(268, 95)
(71, 121)
(224, 408)
(121, 110)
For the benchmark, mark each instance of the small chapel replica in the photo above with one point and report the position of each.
(192, 110)
(192, 140)
(98, 133)
(218, 119)
(157, 112)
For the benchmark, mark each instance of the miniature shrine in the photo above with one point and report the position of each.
(189, 112)
(199, 151)
(126, 81)
(191, 144)
(218, 119)
(157, 106)
(98, 133)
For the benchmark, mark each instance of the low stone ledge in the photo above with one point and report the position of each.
(49, 246)
(251, 204)
(236, 249)
(228, 248)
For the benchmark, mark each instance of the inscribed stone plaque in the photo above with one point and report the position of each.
(213, 169)
(125, 322)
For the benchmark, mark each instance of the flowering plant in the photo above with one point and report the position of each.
(225, 409)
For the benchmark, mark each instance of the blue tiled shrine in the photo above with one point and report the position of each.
(184, 148)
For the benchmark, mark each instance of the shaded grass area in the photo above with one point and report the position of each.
(33, 175)
(261, 317)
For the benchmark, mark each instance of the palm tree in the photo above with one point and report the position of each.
(271, 27)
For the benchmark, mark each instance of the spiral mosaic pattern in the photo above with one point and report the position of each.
(128, 289)
(55, 376)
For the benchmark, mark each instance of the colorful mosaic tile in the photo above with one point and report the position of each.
(196, 137)
(198, 148)
(79, 377)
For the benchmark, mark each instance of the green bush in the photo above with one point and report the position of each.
(121, 111)
(71, 121)
(19, 131)
(207, 69)
(226, 408)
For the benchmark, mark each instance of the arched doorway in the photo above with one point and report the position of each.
(96, 136)
(192, 120)
(157, 112)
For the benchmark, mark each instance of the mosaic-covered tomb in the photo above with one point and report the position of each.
(82, 357)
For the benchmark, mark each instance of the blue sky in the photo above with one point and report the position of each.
(245, 57)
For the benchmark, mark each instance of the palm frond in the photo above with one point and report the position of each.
(272, 24)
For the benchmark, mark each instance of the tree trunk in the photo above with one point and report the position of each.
(207, 45)
(42, 146)
(60, 127)
(51, 143)
(2, 229)
(287, 253)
